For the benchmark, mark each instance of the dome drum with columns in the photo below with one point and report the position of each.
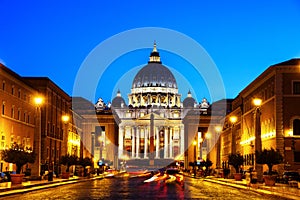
(154, 84)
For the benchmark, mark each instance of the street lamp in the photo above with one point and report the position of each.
(38, 101)
(65, 118)
(194, 143)
(257, 103)
(208, 135)
(218, 130)
(233, 120)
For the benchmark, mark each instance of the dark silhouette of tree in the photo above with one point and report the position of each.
(84, 162)
(18, 155)
(269, 157)
(68, 160)
(236, 160)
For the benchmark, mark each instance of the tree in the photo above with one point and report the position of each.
(18, 155)
(207, 165)
(269, 157)
(84, 162)
(68, 160)
(236, 160)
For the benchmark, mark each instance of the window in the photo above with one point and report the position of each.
(296, 127)
(3, 85)
(296, 87)
(13, 90)
(13, 112)
(3, 107)
(19, 93)
(28, 118)
(19, 114)
(296, 156)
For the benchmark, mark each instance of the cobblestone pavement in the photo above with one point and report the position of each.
(135, 188)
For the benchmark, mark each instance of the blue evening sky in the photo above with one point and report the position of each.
(53, 38)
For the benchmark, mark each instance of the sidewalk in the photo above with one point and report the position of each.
(7, 188)
(282, 190)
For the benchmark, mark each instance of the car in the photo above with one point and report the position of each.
(173, 175)
(290, 176)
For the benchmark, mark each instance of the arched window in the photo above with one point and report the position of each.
(296, 127)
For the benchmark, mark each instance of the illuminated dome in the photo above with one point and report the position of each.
(154, 85)
(189, 101)
(118, 101)
(154, 74)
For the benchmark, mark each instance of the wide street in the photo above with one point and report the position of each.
(135, 188)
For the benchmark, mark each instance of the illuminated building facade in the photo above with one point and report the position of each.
(54, 132)
(276, 120)
(18, 113)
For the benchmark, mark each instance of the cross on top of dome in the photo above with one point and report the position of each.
(154, 56)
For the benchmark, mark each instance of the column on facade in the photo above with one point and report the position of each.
(171, 142)
(157, 142)
(138, 132)
(146, 141)
(121, 141)
(166, 132)
(133, 133)
(181, 140)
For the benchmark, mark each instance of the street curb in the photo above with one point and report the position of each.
(45, 185)
(258, 190)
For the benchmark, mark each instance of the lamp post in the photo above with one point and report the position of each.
(38, 101)
(257, 103)
(65, 119)
(194, 143)
(218, 130)
(200, 142)
(100, 147)
(208, 143)
(233, 120)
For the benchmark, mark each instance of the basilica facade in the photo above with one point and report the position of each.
(151, 129)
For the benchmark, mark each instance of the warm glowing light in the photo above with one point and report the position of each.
(218, 129)
(38, 100)
(194, 142)
(100, 138)
(289, 132)
(257, 101)
(208, 135)
(268, 135)
(248, 141)
(65, 118)
(233, 119)
(200, 140)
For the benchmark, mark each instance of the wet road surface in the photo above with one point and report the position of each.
(135, 188)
